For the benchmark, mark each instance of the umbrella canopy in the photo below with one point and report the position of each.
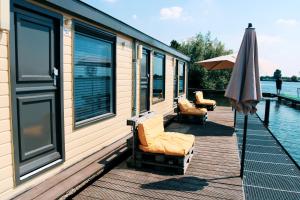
(221, 62)
(244, 85)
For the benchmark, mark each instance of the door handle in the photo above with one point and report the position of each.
(55, 75)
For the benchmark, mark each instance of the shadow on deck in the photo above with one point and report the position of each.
(212, 174)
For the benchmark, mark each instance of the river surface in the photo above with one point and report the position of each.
(284, 120)
(289, 88)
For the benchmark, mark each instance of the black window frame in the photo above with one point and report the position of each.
(184, 77)
(176, 80)
(91, 31)
(164, 77)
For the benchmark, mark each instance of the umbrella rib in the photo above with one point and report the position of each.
(214, 66)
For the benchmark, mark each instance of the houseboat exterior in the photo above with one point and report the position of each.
(70, 77)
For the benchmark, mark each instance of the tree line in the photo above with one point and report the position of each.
(277, 74)
(202, 47)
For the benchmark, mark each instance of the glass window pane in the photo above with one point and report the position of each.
(143, 100)
(93, 77)
(158, 77)
(181, 77)
(144, 64)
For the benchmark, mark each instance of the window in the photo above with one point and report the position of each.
(94, 74)
(175, 80)
(158, 77)
(181, 69)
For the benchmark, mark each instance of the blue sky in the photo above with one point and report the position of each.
(277, 24)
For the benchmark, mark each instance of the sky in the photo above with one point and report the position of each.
(277, 24)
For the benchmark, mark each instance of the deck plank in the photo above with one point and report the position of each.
(212, 174)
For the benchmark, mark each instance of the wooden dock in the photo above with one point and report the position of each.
(289, 100)
(212, 174)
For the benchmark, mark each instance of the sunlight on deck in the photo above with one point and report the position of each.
(212, 174)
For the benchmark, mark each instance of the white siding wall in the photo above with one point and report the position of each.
(6, 170)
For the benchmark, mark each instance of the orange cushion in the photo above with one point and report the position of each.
(150, 129)
(169, 143)
(184, 105)
(201, 100)
(195, 111)
(199, 96)
(207, 102)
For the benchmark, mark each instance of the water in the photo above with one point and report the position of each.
(288, 88)
(284, 120)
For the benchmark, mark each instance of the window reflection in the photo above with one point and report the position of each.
(181, 77)
(158, 77)
(93, 76)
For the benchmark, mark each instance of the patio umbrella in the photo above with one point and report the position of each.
(244, 86)
(221, 62)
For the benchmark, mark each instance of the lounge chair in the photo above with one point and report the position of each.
(187, 109)
(153, 147)
(204, 103)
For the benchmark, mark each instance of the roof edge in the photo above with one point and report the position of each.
(87, 12)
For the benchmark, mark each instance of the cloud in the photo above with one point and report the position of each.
(110, 1)
(134, 16)
(170, 13)
(287, 22)
(269, 39)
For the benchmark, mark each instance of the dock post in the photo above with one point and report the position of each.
(267, 112)
(244, 146)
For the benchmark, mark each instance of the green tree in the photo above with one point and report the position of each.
(294, 78)
(277, 74)
(174, 44)
(202, 47)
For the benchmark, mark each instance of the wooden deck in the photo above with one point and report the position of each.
(212, 174)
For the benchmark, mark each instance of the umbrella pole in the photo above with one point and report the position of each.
(234, 123)
(244, 146)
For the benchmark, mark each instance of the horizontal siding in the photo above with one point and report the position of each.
(6, 161)
(6, 184)
(4, 112)
(6, 164)
(4, 39)
(6, 172)
(91, 150)
(5, 137)
(3, 64)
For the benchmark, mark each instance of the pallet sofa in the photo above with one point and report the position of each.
(155, 149)
(186, 109)
(200, 102)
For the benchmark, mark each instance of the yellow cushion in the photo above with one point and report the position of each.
(207, 102)
(201, 100)
(169, 143)
(185, 139)
(195, 111)
(199, 96)
(150, 129)
(184, 105)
